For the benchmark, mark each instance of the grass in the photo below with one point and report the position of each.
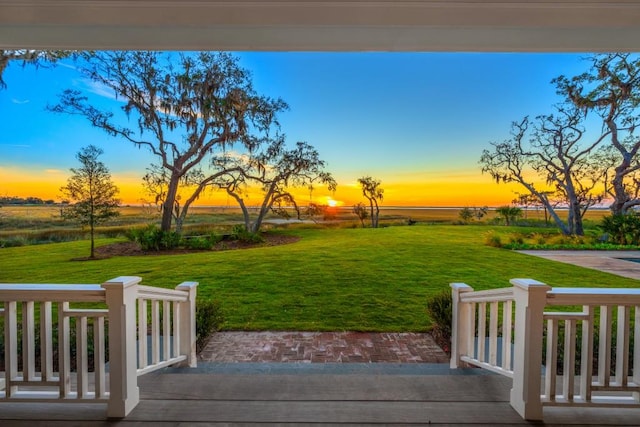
(332, 279)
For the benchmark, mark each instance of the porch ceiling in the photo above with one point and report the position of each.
(323, 25)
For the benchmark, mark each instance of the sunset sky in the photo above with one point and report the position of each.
(416, 121)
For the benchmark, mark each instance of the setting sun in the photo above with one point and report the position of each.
(333, 203)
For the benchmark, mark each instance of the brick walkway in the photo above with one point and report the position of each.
(322, 347)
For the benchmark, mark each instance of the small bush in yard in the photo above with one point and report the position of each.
(209, 319)
(440, 309)
(152, 238)
(492, 239)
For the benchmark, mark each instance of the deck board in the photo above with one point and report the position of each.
(175, 399)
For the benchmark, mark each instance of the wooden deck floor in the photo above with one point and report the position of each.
(303, 397)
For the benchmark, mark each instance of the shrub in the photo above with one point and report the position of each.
(151, 238)
(209, 319)
(200, 242)
(622, 229)
(241, 233)
(492, 239)
(439, 308)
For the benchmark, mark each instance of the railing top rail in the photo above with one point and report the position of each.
(51, 292)
(501, 294)
(593, 296)
(150, 292)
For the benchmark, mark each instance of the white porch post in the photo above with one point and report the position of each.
(187, 321)
(530, 297)
(460, 324)
(121, 294)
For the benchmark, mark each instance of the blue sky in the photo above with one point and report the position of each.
(413, 120)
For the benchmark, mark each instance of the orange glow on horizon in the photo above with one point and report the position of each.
(470, 191)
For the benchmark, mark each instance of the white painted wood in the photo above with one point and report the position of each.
(166, 330)
(604, 352)
(500, 294)
(568, 376)
(593, 296)
(28, 341)
(161, 294)
(507, 323)
(143, 325)
(120, 295)
(487, 366)
(163, 364)
(10, 346)
(99, 357)
(586, 361)
(622, 345)
(461, 333)
(54, 293)
(636, 351)
(493, 333)
(530, 299)
(64, 362)
(482, 331)
(552, 360)
(155, 332)
(82, 366)
(175, 350)
(124, 394)
(471, 335)
(46, 341)
(187, 321)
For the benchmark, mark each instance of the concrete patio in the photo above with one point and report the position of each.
(614, 262)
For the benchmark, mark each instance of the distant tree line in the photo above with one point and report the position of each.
(13, 200)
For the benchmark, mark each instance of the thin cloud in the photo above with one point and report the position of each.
(16, 145)
(53, 171)
(19, 101)
(99, 89)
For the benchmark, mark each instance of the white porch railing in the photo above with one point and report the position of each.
(111, 348)
(519, 332)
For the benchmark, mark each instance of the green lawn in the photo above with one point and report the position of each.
(332, 279)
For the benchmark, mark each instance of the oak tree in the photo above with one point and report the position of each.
(186, 108)
(274, 170)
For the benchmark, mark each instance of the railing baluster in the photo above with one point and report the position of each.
(99, 357)
(143, 352)
(604, 352)
(35, 305)
(507, 323)
(586, 359)
(176, 329)
(482, 330)
(28, 341)
(46, 341)
(493, 333)
(622, 346)
(10, 346)
(472, 339)
(568, 377)
(166, 330)
(636, 350)
(552, 360)
(64, 364)
(155, 332)
(81, 357)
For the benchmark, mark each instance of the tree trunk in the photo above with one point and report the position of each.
(93, 246)
(167, 207)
